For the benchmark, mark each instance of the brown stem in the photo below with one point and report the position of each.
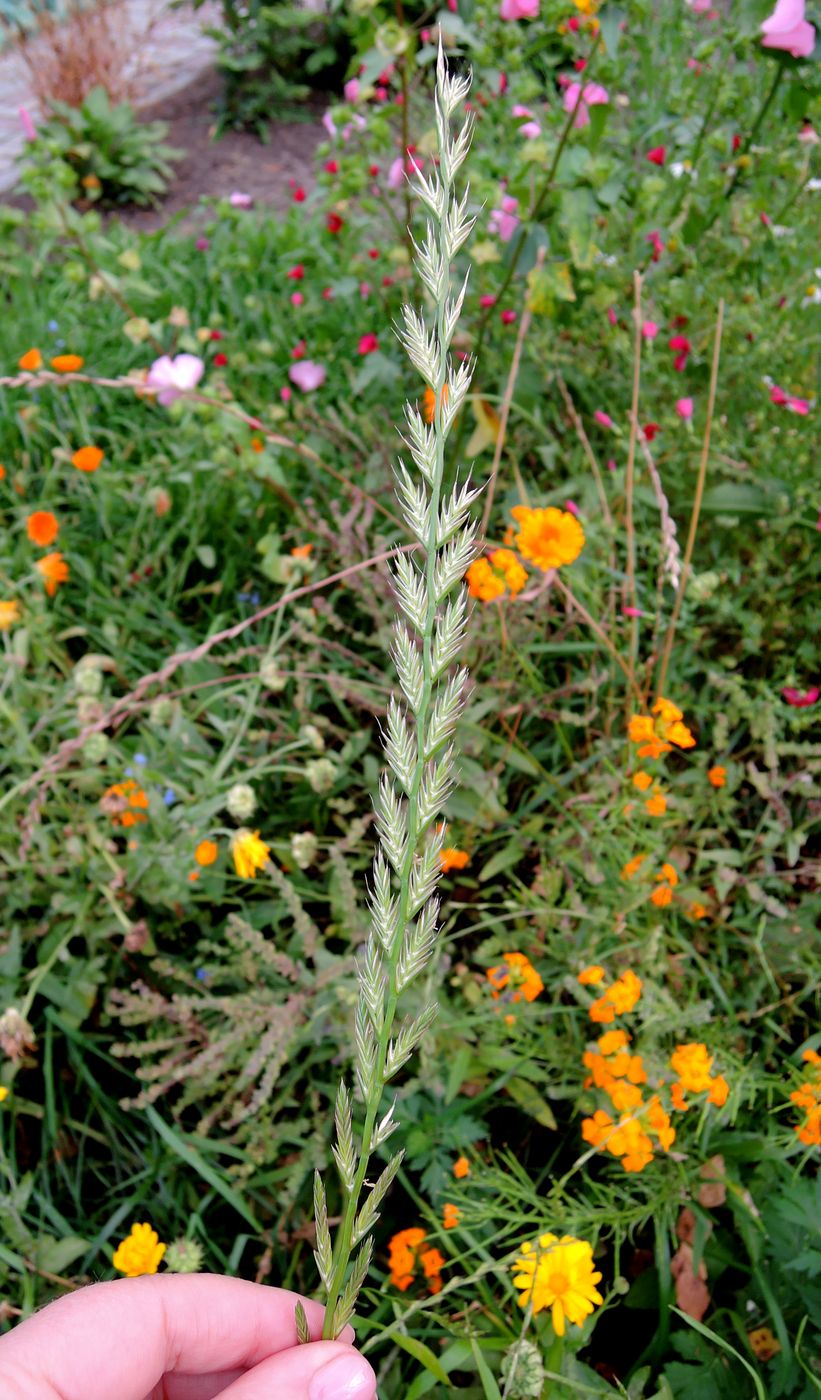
(702, 474)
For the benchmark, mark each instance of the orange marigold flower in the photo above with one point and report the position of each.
(301, 551)
(641, 728)
(668, 873)
(405, 1254)
(811, 1057)
(125, 803)
(9, 613)
(624, 1096)
(206, 852)
(508, 564)
(451, 858)
(451, 1216)
(659, 1121)
(42, 527)
(549, 538)
(432, 1265)
(595, 1129)
(591, 976)
(87, 459)
(32, 360)
(680, 735)
(53, 570)
(257, 445)
(624, 992)
(631, 1143)
(662, 896)
(654, 749)
(642, 781)
(613, 1041)
(429, 402)
(656, 805)
(483, 583)
(667, 712)
(520, 975)
(696, 910)
(632, 866)
(601, 1011)
(677, 1097)
(461, 1168)
(67, 364)
(717, 775)
(2, 472)
(692, 1063)
(719, 1090)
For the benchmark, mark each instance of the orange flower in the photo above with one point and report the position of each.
(42, 527)
(87, 459)
(125, 803)
(632, 866)
(642, 781)
(520, 975)
(616, 1000)
(461, 1168)
(506, 562)
(667, 712)
(451, 1216)
(67, 364)
(591, 976)
(206, 852)
(717, 775)
(549, 538)
(2, 472)
(719, 1089)
(641, 728)
(257, 445)
(655, 748)
(53, 570)
(405, 1254)
(451, 858)
(9, 613)
(659, 1122)
(692, 1063)
(32, 360)
(656, 805)
(483, 583)
(668, 873)
(595, 1129)
(677, 1097)
(680, 735)
(696, 910)
(662, 896)
(301, 551)
(429, 402)
(612, 1041)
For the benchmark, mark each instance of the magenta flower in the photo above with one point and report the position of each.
(519, 9)
(649, 330)
(520, 111)
(238, 200)
(788, 30)
(307, 375)
(368, 343)
(329, 124)
(487, 300)
(657, 156)
(572, 507)
(173, 378)
(505, 220)
(530, 130)
(801, 698)
(684, 409)
(682, 346)
(507, 317)
(295, 273)
(611, 316)
(351, 90)
(202, 244)
(632, 612)
(656, 242)
(297, 298)
(795, 405)
(396, 173)
(592, 95)
(603, 418)
(29, 129)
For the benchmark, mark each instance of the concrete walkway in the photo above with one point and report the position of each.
(168, 51)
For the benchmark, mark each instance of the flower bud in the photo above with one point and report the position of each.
(88, 680)
(241, 802)
(271, 675)
(321, 775)
(95, 748)
(184, 1257)
(304, 847)
(311, 735)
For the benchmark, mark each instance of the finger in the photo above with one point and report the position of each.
(321, 1371)
(120, 1338)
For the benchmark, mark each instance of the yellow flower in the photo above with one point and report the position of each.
(515, 574)
(4, 1093)
(139, 1253)
(558, 1274)
(249, 852)
(9, 613)
(549, 538)
(591, 976)
(483, 583)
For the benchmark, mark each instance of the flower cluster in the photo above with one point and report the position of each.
(656, 734)
(407, 1253)
(808, 1098)
(558, 1274)
(139, 1253)
(518, 979)
(125, 803)
(546, 538)
(643, 1125)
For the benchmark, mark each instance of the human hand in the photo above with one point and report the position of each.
(179, 1337)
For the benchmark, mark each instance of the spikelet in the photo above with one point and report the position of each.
(420, 724)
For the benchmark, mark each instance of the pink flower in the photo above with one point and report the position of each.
(327, 294)
(329, 124)
(298, 352)
(238, 200)
(530, 130)
(684, 409)
(505, 220)
(520, 111)
(657, 156)
(777, 395)
(612, 317)
(649, 330)
(297, 298)
(681, 344)
(296, 273)
(788, 30)
(173, 378)
(29, 129)
(307, 375)
(507, 317)
(364, 290)
(632, 612)
(396, 173)
(202, 244)
(611, 464)
(603, 418)
(700, 7)
(801, 698)
(572, 507)
(368, 343)
(579, 99)
(487, 300)
(351, 90)
(285, 393)
(657, 243)
(519, 9)
(798, 405)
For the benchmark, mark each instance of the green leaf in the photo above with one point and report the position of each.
(206, 555)
(699, 1327)
(489, 1386)
(532, 1102)
(610, 20)
(193, 1159)
(424, 1356)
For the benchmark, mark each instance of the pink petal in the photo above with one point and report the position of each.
(307, 375)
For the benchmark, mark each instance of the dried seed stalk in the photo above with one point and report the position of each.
(418, 743)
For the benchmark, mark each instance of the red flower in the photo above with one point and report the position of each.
(736, 142)
(387, 281)
(373, 170)
(327, 294)
(657, 243)
(331, 167)
(298, 350)
(334, 222)
(373, 253)
(220, 360)
(681, 344)
(507, 317)
(657, 155)
(650, 430)
(368, 343)
(801, 699)
(299, 195)
(296, 274)
(217, 335)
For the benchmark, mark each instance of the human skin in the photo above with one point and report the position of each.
(179, 1337)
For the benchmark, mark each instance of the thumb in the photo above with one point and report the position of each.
(315, 1371)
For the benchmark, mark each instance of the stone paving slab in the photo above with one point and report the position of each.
(169, 51)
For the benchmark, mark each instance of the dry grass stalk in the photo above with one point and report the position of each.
(91, 46)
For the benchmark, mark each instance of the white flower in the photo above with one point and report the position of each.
(813, 186)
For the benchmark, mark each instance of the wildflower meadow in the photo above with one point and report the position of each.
(410, 691)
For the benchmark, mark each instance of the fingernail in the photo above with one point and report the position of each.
(347, 1377)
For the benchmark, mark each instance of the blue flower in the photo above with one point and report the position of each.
(202, 974)
(54, 326)
(169, 797)
(141, 759)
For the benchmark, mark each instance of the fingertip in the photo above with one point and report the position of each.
(347, 1376)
